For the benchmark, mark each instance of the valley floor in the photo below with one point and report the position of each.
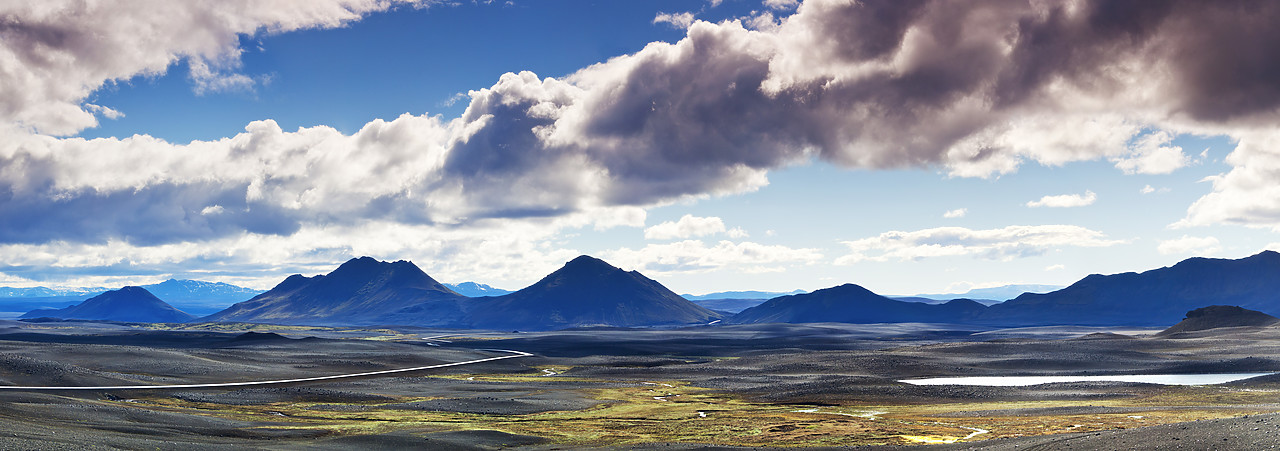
(776, 385)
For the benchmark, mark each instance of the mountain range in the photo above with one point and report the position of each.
(475, 290)
(588, 292)
(1151, 298)
(994, 294)
(363, 291)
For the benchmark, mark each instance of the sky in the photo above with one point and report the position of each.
(905, 146)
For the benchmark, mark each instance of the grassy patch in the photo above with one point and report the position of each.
(673, 411)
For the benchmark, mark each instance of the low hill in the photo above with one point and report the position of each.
(128, 304)
(588, 292)
(363, 291)
(1153, 298)
(851, 303)
(1218, 316)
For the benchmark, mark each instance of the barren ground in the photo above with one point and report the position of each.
(821, 385)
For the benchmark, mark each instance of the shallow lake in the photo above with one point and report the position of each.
(1017, 381)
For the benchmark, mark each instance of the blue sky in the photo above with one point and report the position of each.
(726, 145)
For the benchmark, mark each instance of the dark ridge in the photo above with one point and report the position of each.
(1219, 316)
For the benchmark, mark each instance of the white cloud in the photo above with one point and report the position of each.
(104, 111)
(781, 4)
(688, 226)
(1152, 154)
(209, 80)
(1247, 194)
(1065, 200)
(676, 20)
(57, 52)
(1199, 246)
(1000, 244)
(1148, 189)
(1057, 267)
(694, 256)
(957, 213)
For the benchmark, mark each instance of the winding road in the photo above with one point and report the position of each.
(512, 355)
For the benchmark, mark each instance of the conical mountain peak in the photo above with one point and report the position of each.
(131, 303)
(588, 291)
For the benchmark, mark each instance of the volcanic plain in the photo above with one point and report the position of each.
(768, 385)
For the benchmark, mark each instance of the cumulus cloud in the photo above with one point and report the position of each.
(688, 226)
(957, 213)
(998, 244)
(1247, 194)
(1192, 245)
(695, 256)
(976, 88)
(1065, 200)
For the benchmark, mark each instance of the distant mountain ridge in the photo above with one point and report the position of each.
(762, 295)
(1156, 297)
(475, 290)
(851, 303)
(169, 290)
(45, 292)
(128, 304)
(186, 290)
(1000, 293)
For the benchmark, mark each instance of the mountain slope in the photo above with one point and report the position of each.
(850, 303)
(131, 304)
(588, 292)
(1153, 298)
(362, 291)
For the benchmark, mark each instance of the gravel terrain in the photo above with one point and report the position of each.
(809, 365)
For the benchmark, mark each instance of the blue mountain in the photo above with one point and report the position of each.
(129, 304)
(475, 290)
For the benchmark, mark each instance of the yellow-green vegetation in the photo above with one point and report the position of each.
(673, 411)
